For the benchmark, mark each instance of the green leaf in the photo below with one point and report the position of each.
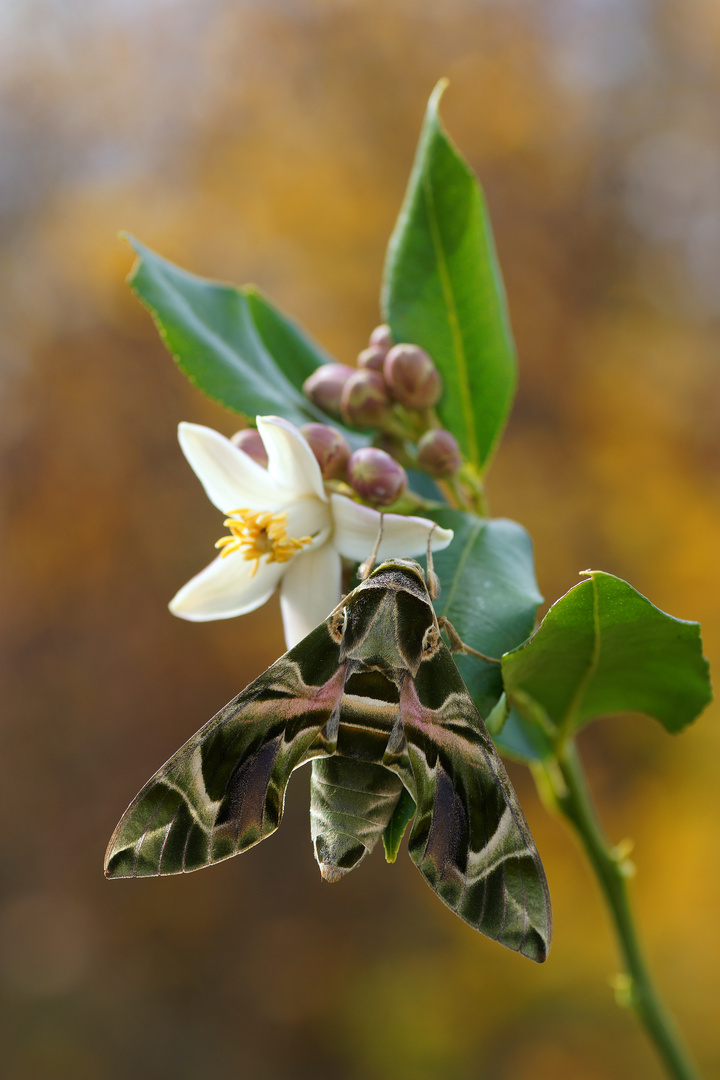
(602, 649)
(231, 343)
(291, 348)
(495, 720)
(515, 736)
(442, 290)
(489, 594)
(522, 740)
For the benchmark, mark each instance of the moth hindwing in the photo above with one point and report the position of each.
(373, 698)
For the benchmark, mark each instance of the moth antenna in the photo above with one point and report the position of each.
(433, 581)
(366, 566)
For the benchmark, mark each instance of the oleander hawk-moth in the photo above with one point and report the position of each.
(373, 698)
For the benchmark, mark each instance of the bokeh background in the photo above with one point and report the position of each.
(271, 142)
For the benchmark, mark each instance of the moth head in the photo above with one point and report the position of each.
(390, 565)
(429, 580)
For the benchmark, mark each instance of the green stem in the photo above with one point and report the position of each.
(635, 989)
(471, 483)
(456, 494)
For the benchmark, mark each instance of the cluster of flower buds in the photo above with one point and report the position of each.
(393, 390)
(372, 473)
(409, 376)
(387, 375)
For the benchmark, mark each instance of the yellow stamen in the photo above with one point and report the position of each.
(258, 533)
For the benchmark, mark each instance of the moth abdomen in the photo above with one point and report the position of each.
(351, 803)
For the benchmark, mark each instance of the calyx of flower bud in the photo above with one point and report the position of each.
(329, 447)
(438, 453)
(411, 377)
(376, 477)
(250, 443)
(325, 386)
(365, 402)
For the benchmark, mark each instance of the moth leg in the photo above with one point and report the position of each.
(458, 645)
(366, 567)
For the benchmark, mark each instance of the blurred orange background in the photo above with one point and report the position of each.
(271, 142)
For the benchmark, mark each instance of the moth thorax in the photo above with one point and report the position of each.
(351, 803)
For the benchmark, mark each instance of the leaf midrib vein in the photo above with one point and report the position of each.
(576, 701)
(453, 320)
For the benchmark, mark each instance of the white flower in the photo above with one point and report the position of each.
(284, 530)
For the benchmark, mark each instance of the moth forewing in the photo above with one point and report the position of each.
(373, 698)
(223, 791)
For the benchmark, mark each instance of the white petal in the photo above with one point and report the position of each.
(310, 590)
(309, 517)
(291, 462)
(232, 480)
(356, 529)
(226, 588)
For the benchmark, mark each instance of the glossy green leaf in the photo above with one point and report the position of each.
(603, 649)
(489, 594)
(293, 351)
(231, 343)
(443, 290)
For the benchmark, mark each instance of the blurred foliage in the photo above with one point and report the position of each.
(272, 142)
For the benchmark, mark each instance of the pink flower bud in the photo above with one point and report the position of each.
(376, 476)
(412, 377)
(382, 337)
(373, 357)
(250, 443)
(329, 447)
(324, 387)
(439, 453)
(365, 402)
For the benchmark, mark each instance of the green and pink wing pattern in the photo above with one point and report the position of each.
(224, 790)
(469, 838)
